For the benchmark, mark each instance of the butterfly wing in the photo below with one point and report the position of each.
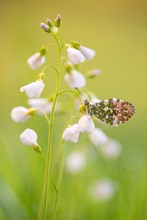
(113, 111)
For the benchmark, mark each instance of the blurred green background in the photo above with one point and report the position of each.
(117, 30)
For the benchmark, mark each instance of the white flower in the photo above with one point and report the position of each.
(87, 52)
(111, 149)
(29, 137)
(71, 134)
(98, 137)
(86, 124)
(75, 162)
(34, 89)
(36, 60)
(103, 189)
(75, 56)
(41, 103)
(19, 114)
(75, 79)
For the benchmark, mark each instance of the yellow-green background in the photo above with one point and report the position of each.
(117, 30)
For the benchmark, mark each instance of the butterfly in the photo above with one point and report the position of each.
(111, 111)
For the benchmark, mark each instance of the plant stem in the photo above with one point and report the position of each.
(48, 160)
(59, 182)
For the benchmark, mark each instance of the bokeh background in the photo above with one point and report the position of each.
(117, 30)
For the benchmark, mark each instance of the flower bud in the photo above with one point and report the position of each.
(86, 124)
(58, 21)
(45, 27)
(34, 89)
(49, 22)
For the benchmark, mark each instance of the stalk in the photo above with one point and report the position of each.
(48, 159)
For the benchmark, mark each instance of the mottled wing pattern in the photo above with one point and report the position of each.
(112, 111)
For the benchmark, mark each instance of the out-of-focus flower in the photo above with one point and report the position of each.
(72, 133)
(57, 21)
(41, 103)
(29, 137)
(103, 189)
(36, 60)
(87, 52)
(34, 89)
(111, 149)
(86, 124)
(75, 79)
(75, 162)
(21, 114)
(93, 73)
(75, 56)
(98, 137)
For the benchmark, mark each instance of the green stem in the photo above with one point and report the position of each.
(50, 66)
(48, 160)
(72, 91)
(59, 182)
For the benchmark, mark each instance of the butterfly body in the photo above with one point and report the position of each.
(111, 111)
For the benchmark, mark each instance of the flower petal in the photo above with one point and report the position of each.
(71, 134)
(75, 56)
(86, 124)
(75, 79)
(19, 114)
(36, 60)
(34, 89)
(29, 137)
(87, 52)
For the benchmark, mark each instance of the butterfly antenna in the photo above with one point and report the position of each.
(81, 93)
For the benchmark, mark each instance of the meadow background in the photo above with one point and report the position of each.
(117, 30)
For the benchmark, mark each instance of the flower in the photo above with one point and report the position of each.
(103, 189)
(94, 73)
(75, 79)
(21, 114)
(111, 149)
(75, 162)
(41, 103)
(36, 60)
(34, 89)
(72, 133)
(87, 52)
(75, 56)
(98, 137)
(29, 138)
(86, 124)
